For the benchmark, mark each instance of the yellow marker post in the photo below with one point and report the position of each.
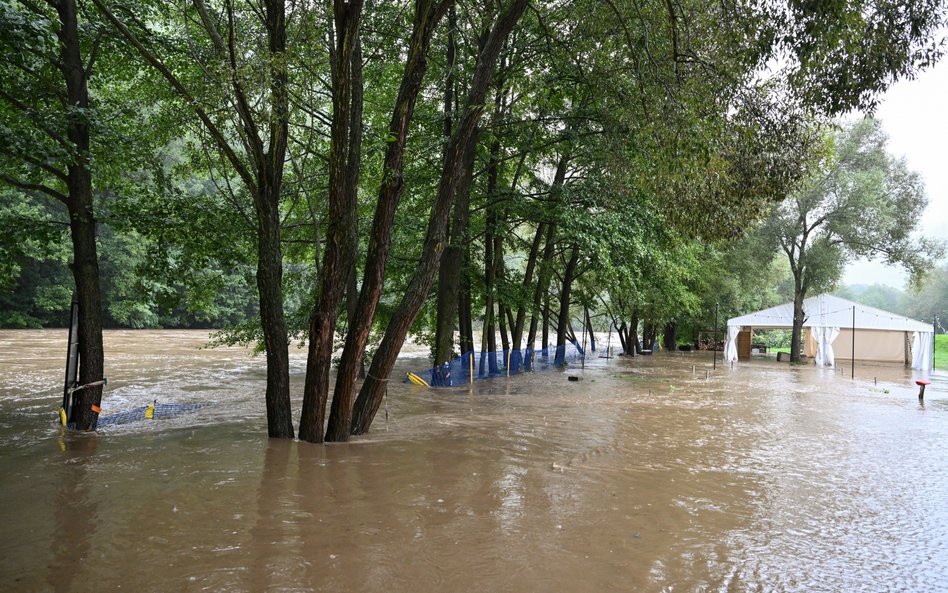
(471, 356)
(62, 416)
(509, 352)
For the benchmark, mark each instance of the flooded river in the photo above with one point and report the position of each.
(648, 475)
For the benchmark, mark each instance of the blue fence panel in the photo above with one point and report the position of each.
(476, 366)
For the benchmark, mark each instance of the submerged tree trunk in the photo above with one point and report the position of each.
(370, 396)
(427, 15)
(546, 325)
(563, 320)
(449, 275)
(270, 288)
(589, 330)
(799, 316)
(342, 232)
(624, 340)
(542, 287)
(670, 336)
(634, 334)
(82, 223)
(263, 140)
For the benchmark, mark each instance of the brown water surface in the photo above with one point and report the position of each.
(643, 476)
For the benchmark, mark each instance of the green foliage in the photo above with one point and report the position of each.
(857, 202)
(941, 352)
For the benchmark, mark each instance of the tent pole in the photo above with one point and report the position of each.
(934, 333)
(854, 342)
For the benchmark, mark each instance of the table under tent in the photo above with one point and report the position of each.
(828, 327)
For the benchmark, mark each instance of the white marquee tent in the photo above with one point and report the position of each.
(829, 323)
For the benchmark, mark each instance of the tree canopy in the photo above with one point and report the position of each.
(353, 172)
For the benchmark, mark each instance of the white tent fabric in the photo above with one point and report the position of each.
(833, 313)
(824, 337)
(730, 344)
(921, 350)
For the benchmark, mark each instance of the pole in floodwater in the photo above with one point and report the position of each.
(854, 342)
(714, 344)
(921, 388)
(934, 333)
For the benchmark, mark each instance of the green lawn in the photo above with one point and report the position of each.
(941, 352)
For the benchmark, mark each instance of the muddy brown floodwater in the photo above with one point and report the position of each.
(643, 476)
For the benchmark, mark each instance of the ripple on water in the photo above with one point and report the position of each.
(646, 475)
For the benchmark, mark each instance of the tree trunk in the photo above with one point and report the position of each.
(342, 232)
(370, 396)
(427, 16)
(517, 333)
(796, 335)
(270, 289)
(489, 348)
(670, 336)
(634, 334)
(502, 309)
(541, 293)
(465, 321)
(546, 324)
(449, 275)
(563, 321)
(624, 341)
(589, 330)
(85, 266)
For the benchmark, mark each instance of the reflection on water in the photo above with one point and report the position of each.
(643, 476)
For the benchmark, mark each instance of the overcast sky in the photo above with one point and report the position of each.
(914, 114)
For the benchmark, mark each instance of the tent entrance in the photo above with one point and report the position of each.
(752, 341)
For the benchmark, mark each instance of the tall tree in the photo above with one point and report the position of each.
(49, 123)
(858, 201)
(236, 46)
(373, 389)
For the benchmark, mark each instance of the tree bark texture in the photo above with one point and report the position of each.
(563, 321)
(342, 229)
(427, 16)
(82, 223)
(373, 389)
(452, 265)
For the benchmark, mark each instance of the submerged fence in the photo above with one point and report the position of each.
(476, 366)
(148, 412)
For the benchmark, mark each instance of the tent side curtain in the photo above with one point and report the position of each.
(824, 337)
(730, 344)
(922, 350)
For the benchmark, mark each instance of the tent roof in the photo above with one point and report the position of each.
(827, 310)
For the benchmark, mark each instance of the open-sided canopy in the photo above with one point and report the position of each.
(824, 316)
